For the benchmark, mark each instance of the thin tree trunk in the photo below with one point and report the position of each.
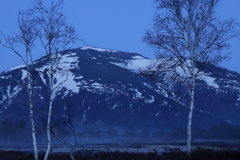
(48, 131)
(33, 135)
(190, 114)
(49, 116)
(71, 152)
(30, 86)
(189, 129)
(73, 145)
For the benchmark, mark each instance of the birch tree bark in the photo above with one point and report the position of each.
(187, 36)
(27, 35)
(55, 36)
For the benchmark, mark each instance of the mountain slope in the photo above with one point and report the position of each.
(104, 87)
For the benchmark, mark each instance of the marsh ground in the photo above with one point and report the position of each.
(143, 146)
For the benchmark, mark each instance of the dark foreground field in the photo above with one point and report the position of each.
(202, 150)
(168, 154)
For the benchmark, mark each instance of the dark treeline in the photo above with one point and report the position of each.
(18, 132)
(168, 154)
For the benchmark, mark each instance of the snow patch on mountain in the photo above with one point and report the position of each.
(16, 67)
(202, 76)
(5, 77)
(158, 113)
(69, 61)
(135, 64)
(232, 87)
(67, 81)
(164, 103)
(63, 77)
(210, 81)
(41, 73)
(7, 97)
(97, 86)
(24, 74)
(150, 100)
(97, 49)
(147, 85)
(79, 77)
(230, 75)
(138, 94)
(231, 84)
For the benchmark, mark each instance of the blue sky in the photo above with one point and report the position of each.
(111, 24)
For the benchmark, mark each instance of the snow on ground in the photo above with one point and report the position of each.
(202, 76)
(16, 67)
(140, 63)
(158, 113)
(64, 77)
(24, 74)
(67, 81)
(150, 100)
(69, 61)
(135, 64)
(9, 94)
(232, 87)
(5, 77)
(138, 95)
(98, 49)
(147, 85)
(97, 86)
(231, 84)
(210, 81)
(41, 71)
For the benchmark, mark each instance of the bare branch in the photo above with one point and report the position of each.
(187, 37)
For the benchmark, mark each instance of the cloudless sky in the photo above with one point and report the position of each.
(110, 24)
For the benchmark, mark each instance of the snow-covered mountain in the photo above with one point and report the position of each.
(104, 87)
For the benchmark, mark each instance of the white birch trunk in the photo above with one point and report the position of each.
(71, 152)
(30, 87)
(48, 131)
(190, 113)
(51, 77)
(33, 134)
(189, 126)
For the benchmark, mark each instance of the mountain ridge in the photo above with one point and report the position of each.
(106, 88)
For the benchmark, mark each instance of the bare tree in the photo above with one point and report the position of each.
(55, 36)
(187, 37)
(26, 36)
(68, 122)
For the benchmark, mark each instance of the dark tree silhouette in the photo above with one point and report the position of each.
(55, 36)
(27, 35)
(187, 37)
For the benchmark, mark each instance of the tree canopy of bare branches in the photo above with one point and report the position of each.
(47, 23)
(187, 36)
(55, 36)
(28, 32)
